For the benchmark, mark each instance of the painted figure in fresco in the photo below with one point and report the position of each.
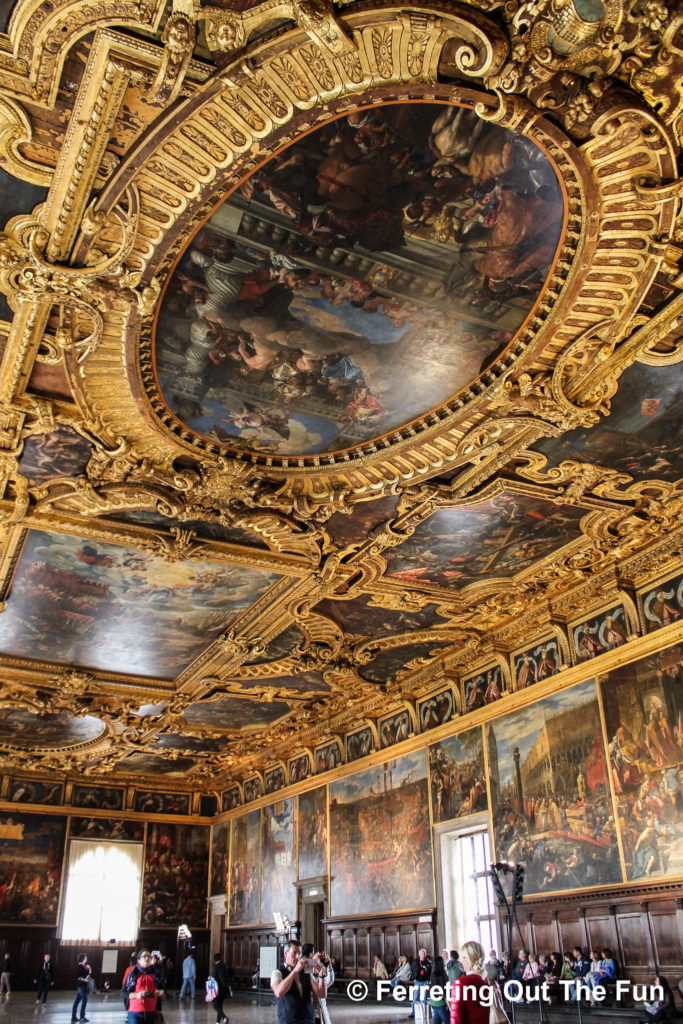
(475, 693)
(660, 739)
(660, 609)
(547, 665)
(436, 710)
(359, 744)
(588, 643)
(526, 674)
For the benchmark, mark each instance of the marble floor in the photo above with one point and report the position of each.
(107, 1008)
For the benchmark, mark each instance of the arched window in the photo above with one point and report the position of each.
(103, 892)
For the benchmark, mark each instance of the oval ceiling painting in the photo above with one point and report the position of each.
(357, 280)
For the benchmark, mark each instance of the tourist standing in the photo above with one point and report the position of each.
(83, 975)
(44, 979)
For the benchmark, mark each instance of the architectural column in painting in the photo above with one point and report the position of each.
(519, 795)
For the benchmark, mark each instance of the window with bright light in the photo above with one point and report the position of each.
(103, 892)
(469, 903)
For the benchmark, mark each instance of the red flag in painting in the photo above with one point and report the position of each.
(596, 769)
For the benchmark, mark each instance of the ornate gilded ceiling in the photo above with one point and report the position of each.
(341, 380)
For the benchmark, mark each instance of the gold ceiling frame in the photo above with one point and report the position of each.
(166, 186)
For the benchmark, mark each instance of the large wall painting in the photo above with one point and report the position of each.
(537, 663)
(243, 906)
(119, 609)
(663, 604)
(457, 776)
(278, 860)
(494, 538)
(31, 853)
(220, 858)
(404, 243)
(643, 704)
(312, 833)
(641, 436)
(600, 633)
(176, 875)
(381, 853)
(550, 796)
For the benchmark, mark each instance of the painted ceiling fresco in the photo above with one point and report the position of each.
(272, 345)
(642, 435)
(229, 713)
(21, 728)
(322, 457)
(114, 608)
(499, 537)
(359, 616)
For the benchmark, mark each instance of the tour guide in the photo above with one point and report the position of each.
(293, 987)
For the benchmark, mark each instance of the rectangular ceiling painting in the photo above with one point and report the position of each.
(119, 609)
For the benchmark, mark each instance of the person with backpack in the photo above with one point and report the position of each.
(143, 994)
(222, 989)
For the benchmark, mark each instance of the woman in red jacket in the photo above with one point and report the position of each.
(471, 993)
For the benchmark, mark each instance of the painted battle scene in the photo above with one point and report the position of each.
(403, 243)
(162, 803)
(107, 828)
(457, 776)
(641, 435)
(381, 853)
(436, 710)
(602, 633)
(31, 852)
(220, 858)
(21, 728)
(252, 790)
(551, 803)
(312, 833)
(390, 665)
(32, 791)
(97, 798)
(243, 905)
(643, 704)
(119, 609)
(537, 663)
(299, 768)
(394, 729)
(483, 689)
(495, 538)
(176, 875)
(359, 744)
(360, 616)
(278, 860)
(275, 779)
(231, 798)
(663, 604)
